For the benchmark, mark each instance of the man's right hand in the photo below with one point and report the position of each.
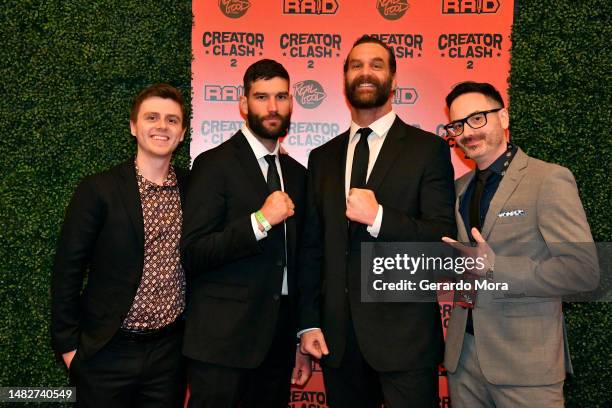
(313, 342)
(68, 357)
(277, 207)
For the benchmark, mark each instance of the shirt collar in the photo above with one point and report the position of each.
(171, 180)
(258, 148)
(379, 127)
(497, 166)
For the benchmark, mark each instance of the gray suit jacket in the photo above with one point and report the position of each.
(520, 333)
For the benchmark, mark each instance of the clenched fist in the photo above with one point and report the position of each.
(361, 206)
(277, 207)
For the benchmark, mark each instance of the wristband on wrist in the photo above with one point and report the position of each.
(262, 220)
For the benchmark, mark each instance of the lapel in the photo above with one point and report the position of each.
(339, 179)
(182, 176)
(250, 167)
(128, 185)
(391, 148)
(462, 184)
(514, 175)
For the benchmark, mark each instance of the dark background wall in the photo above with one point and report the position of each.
(560, 110)
(70, 70)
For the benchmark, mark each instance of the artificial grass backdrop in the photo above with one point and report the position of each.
(72, 68)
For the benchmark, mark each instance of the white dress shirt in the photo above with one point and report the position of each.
(261, 152)
(380, 128)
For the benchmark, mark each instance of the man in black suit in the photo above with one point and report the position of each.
(121, 336)
(386, 181)
(243, 218)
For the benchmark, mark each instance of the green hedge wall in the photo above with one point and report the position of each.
(72, 68)
(70, 71)
(560, 112)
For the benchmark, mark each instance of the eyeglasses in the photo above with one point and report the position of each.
(476, 120)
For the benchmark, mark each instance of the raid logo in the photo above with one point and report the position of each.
(403, 45)
(309, 93)
(392, 9)
(470, 45)
(310, 45)
(310, 6)
(405, 96)
(234, 8)
(470, 6)
(223, 93)
(233, 43)
(445, 313)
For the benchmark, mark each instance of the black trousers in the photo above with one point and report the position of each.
(217, 386)
(355, 384)
(132, 373)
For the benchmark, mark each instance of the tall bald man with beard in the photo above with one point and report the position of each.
(380, 181)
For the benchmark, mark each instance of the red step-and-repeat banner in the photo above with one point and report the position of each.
(437, 43)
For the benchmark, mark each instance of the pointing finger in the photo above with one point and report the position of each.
(477, 237)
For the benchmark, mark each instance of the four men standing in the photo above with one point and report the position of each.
(270, 252)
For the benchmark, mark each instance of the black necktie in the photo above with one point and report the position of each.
(359, 170)
(475, 215)
(274, 184)
(273, 178)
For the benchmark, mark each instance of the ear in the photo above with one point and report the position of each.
(394, 83)
(133, 128)
(244, 106)
(183, 135)
(504, 118)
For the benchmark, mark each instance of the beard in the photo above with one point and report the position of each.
(374, 100)
(257, 126)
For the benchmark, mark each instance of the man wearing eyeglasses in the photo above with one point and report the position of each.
(508, 348)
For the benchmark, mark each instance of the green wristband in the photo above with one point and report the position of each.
(262, 220)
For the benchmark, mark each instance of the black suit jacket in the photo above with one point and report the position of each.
(413, 181)
(236, 280)
(102, 238)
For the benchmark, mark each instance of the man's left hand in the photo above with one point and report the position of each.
(361, 206)
(482, 250)
(302, 370)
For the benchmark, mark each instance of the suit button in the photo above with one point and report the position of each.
(346, 252)
(276, 296)
(279, 262)
(345, 290)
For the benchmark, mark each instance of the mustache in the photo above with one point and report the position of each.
(365, 79)
(272, 116)
(463, 138)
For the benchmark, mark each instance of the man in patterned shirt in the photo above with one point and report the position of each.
(121, 335)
